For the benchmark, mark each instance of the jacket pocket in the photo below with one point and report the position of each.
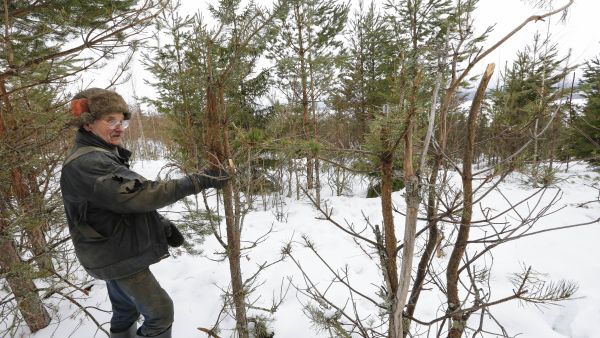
(138, 230)
(84, 228)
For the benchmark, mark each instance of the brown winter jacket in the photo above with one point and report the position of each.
(111, 210)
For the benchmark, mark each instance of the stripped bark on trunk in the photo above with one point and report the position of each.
(412, 198)
(458, 317)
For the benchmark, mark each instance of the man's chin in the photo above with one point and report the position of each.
(116, 141)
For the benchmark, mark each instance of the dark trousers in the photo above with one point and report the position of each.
(140, 294)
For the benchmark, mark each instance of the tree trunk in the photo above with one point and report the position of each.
(388, 221)
(217, 155)
(303, 82)
(535, 155)
(290, 178)
(21, 283)
(235, 267)
(35, 234)
(389, 231)
(412, 198)
(433, 233)
(432, 242)
(459, 319)
(28, 301)
(231, 204)
(21, 190)
(434, 99)
(317, 177)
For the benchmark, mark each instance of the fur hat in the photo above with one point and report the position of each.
(93, 103)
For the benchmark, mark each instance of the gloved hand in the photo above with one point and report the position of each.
(174, 236)
(211, 178)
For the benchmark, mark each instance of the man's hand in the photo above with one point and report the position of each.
(174, 236)
(211, 178)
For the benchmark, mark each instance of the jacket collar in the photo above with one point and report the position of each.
(84, 138)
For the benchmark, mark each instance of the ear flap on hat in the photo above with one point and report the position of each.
(79, 106)
(90, 104)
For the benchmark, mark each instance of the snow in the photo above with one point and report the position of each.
(195, 282)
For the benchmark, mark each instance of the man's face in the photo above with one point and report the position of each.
(109, 127)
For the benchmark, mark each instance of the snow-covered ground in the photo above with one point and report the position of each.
(195, 282)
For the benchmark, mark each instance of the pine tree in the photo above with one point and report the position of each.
(209, 81)
(527, 97)
(178, 62)
(304, 54)
(178, 83)
(585, 129)
(43, 50)
(231, 56)
(367, 68)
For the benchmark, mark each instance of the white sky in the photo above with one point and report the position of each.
(580, 33)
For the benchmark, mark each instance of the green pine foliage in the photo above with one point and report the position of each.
(45, 46)
(38, 49)
(336, 76)
(179, 67)
(179, 83)
(585, 133)
(366, 79)
(306, 50)
(530, 93)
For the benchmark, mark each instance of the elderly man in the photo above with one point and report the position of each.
(111, 211)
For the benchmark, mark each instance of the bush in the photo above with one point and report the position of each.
(375, 190)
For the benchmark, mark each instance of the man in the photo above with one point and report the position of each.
(112, 217)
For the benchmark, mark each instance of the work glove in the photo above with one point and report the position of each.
(210, 178)
(174, 236)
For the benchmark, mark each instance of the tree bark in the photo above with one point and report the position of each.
(315, 158)
(28, 301)
(21, 283)
(433, 232)
(217, 147)
(388, 221)
(412, 198)
(459, 319)
(303, 83)
(389, 231)
(35, 234)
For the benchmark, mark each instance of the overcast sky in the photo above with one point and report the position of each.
(580, 34)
